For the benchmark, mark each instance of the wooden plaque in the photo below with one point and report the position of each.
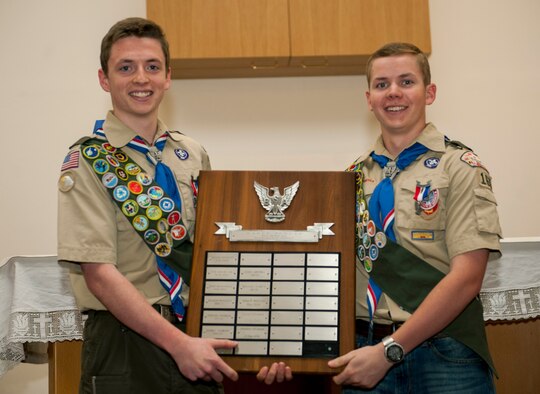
(282, 295)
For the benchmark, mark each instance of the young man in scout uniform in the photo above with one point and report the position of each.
(426, 224)
(126, 220)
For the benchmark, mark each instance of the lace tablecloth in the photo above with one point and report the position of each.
(36, 305)
(511, 288)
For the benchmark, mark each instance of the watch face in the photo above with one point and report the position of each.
(394, 353)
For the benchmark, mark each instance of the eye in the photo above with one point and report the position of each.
(407, 82)
(124, 68)
(381, 85)
(153, 67)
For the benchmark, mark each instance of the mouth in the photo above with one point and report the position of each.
(395, 108)
(141, 94)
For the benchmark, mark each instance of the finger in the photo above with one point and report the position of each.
(342, 378)
(223, 343)
(216, 375)
(271, 376)
(226, 370)
(262, 374)
(340, 361)
(280, 373)
(288, 373)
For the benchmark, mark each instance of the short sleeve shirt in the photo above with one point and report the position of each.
(459, 214)
(92, 229)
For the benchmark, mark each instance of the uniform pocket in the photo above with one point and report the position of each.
(485, 208)
(431, 213)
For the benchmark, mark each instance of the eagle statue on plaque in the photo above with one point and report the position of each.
(276, 202)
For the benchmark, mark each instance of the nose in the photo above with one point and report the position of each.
(140, 76)
(394, 90)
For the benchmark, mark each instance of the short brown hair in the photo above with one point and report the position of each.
(401, 48)
(137, 27)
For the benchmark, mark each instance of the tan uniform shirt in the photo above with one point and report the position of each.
(461, 219)
(92, 229)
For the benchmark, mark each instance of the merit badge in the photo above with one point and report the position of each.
(371, 228)
(91, 151)
(66, 182)
(130, 208)
(178, 232)
(166, 204)
(120, 156)
(471, 159)
(373, 252)
(153, 212)
(151, 236)
(120, 193)
(155, 192)
(144, 178)
(181, 153)
(361, 251)
(140, 223)
(162, 226)
(108, 147)
(163, 249)
(144, 201)
(135, 187)
(366, 240)
(367, 265)
(432, 162)
(173, 218)
(109, 180)
(112, 161)
(132, 169)
(101, 166)
(380, 239)
(121, 174)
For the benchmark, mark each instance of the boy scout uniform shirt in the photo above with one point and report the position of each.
(92, 229)
(460, 215)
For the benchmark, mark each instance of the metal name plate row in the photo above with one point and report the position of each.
(273, 303)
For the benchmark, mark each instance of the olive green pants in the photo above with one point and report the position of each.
(116, 360)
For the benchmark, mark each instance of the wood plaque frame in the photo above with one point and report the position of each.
(322, 197)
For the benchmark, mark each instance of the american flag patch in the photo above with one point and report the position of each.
(71, 161)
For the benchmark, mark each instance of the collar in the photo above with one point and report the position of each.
(430, 137)
(119, 135)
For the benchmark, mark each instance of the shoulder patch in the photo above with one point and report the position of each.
(471, 159)
(456, 144)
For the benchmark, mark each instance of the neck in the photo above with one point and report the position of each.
(396, 143)
(145, 127)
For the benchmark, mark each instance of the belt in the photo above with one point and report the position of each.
(379, 330)
(166, 311)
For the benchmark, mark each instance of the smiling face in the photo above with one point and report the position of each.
(137, 78)
(398, 96)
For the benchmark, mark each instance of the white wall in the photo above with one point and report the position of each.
(484, 61)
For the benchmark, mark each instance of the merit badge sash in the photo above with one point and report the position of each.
(148, 208)
(407, 279)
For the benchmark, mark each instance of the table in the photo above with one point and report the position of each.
(37, 305)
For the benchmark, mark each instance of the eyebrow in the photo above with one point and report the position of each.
(405, 75)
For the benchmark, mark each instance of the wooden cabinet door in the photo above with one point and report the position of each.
(207, 35)
(345, 32)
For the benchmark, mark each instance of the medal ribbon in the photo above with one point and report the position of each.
(164, 177)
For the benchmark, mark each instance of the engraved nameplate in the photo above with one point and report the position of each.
(252, 317)
(251, 332)
(219, 302)
(285, 348)
(222, 258)
(221, 273)
(254, 287)
(223, 332)
(217, 316)
(253, 302)
(220, 287)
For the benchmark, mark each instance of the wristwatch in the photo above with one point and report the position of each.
(393, 351)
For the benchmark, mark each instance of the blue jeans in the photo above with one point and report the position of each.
(439, 365)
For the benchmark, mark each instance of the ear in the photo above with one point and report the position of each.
(431, 93)
(168, 83)
(103, 80)
(368, 99)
